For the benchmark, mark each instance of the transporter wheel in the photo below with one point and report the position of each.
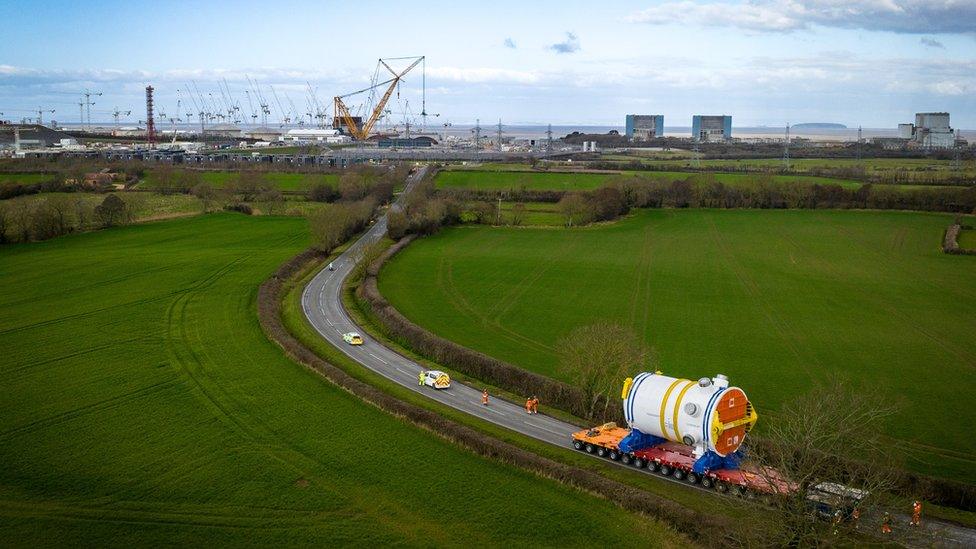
(692, 478)
(653, 465)
(706, 482)
(626, 459)
(679, 474)
(664, 470)
(741, 490)
(614, 455)
(640, 463)
(578, 444)
(723, 487)
(589, 448)
(601, 451)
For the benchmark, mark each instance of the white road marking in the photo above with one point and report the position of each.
(543, 428)
(403, 372)
(377, 358)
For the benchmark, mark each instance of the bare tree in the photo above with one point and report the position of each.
(206, 193)
(272, 199)
(62, 211)
(4, 222)
(832, 434)
(518, 213)
(83, 212)
(23, 211)
(598, 357)
(575, 209)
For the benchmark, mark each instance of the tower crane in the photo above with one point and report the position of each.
(342, 111)
(116, 114)
(40, 115)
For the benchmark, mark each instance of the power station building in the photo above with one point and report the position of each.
(711, 128)
(931, 130)
(643, 127)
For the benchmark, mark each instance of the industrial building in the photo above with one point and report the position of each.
(711, 128)
(644, 127)
(314, 135)
(931, 130)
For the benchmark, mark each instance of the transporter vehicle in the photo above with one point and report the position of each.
(352, 338)
(437, 379)
(689, 430)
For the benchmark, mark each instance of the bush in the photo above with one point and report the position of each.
(323, 192)
(242, 207)
(112, 211)
(334, 224)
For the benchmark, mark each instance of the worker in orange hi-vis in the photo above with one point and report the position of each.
(484, 397)
(856, 516)
(916, 513)
(886, 524)
(535, 405)
(528, 405)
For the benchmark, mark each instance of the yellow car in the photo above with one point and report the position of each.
(352, 338)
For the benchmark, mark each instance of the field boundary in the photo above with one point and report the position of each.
(950, 242)
(698, 526)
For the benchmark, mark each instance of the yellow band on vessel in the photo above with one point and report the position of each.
(664, 405)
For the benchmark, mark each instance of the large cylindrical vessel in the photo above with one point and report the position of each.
(706, 414)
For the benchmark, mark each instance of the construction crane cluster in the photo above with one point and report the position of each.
(359, 113)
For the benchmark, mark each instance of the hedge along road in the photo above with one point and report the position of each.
(322, 305)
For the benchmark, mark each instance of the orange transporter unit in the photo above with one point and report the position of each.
(688, 429)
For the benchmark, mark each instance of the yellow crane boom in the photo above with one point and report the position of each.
(342, 111)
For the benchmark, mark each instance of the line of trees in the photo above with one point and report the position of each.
(25, 220)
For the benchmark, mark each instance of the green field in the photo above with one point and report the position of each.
(967, 239)
(24, 178)
(285, 181)
(870, 165)
(143, 405)
(775, 299)
(560, 181)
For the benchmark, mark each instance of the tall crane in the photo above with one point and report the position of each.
(40, 115)
(342, 111)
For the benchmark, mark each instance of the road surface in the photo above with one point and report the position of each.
(322, 304)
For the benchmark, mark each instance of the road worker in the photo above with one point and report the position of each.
(886, 524)
(535, 405)
(421, 377)
(484, 397)
(528, 405)
(916, 513)
(856, 516)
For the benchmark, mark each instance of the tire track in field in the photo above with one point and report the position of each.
(93, 285)
(753, 291)
(526, 284)
(98, 406)
(251, 428)
(29, 368)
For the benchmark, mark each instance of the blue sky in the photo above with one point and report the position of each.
(869, 62)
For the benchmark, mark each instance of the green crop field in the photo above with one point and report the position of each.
(967, 239)
(775, 299)
(24, 178)
(559, 181)
(142, 405)
(284, 181)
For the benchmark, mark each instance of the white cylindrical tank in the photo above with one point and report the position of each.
(706, 414)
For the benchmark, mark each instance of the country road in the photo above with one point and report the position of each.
(323, 307)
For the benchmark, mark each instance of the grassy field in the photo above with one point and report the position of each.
(870, 165)
(967, 239)
(775, 299)
(142, 405)
(284, 181)
(511, 180)
(23, 178)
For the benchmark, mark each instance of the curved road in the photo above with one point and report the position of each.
(322, 304)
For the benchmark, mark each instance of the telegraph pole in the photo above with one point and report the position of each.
(786, 149)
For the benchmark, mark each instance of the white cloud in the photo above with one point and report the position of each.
(901, 16)
(509, 43)
(932, 43)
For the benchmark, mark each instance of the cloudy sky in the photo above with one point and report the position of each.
(766, 62)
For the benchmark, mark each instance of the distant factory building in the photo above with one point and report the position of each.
(643, 127)
(310, 135)
(711, 128)
(931, 130)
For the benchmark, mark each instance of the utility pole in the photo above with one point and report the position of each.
(549, 141)
(88, 104)
(859, 143)
(499, 138)
(477, 132)
(786, 148)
